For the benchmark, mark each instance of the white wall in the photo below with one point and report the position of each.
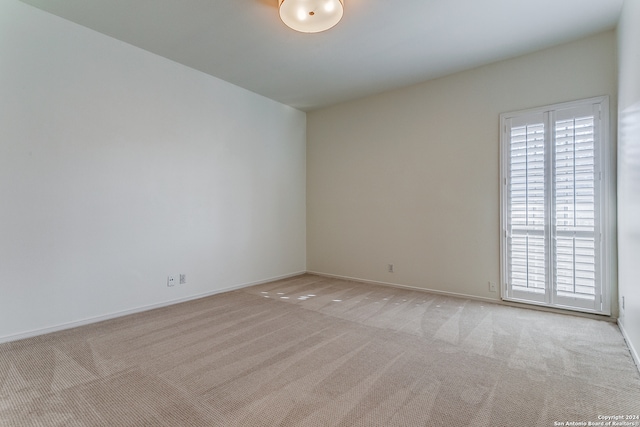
(411, 176)
(119, 167)
(629, 173)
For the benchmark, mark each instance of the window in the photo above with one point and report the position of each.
(554, 197)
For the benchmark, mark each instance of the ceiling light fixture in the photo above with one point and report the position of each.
(311, 16)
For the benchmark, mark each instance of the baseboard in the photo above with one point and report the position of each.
(471, 297)
(397, 285)
(632, 349)
(96, 319)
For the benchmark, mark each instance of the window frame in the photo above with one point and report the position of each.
(605, 210)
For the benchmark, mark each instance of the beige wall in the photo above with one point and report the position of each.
(411, 176)
(629, 173)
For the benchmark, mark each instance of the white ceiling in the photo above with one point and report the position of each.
(379, 45)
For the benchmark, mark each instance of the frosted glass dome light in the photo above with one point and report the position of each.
(311, 16)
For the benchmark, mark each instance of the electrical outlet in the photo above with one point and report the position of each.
(171, 281)
(623, 302)
(390, 268)
(492, 287)
(183, 279)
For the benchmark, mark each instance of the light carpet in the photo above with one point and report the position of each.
(314, 351)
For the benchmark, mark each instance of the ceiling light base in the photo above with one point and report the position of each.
(311, 16)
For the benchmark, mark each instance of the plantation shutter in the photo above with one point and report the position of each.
(527, 251)
(576, 206)
(552, 206)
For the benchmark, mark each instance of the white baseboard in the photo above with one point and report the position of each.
(96, 319)
(632, 349)
(412, 288)
(605, 318)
